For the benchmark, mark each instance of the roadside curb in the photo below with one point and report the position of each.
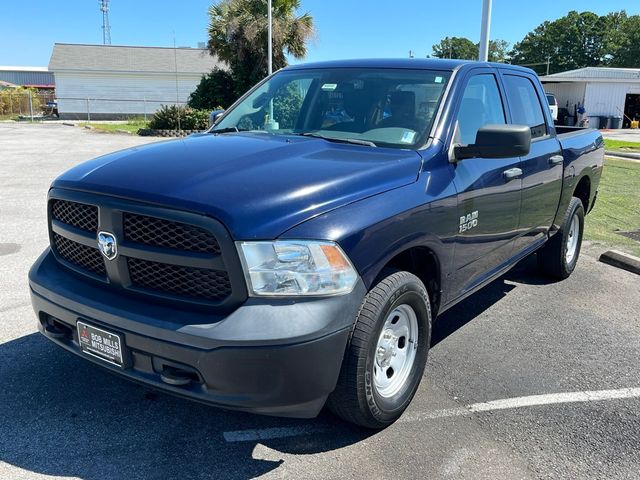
(621, 260)
(632, 156)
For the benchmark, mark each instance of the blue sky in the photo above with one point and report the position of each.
(346, 28)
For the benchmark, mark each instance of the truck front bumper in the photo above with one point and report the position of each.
(270, 356)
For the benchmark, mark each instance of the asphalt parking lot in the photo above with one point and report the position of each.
(526, 379)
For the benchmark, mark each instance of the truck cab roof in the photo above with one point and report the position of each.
(409, 63)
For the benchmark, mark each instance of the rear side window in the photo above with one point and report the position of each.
(481, 105)
(552, 100)
(525, 105)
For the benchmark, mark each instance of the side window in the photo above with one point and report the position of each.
(481, 105)
(525, 105)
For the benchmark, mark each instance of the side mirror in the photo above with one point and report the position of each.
(215, 116)
(497, 141)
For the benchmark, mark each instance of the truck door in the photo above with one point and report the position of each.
(542, 168)
(488, 189)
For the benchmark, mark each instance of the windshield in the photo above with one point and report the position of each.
(386, 107)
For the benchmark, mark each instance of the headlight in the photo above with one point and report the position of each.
(296, 267)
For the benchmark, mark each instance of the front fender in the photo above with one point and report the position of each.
(374, 230)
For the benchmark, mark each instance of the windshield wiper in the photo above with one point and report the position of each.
(229, 130)
(353, 141)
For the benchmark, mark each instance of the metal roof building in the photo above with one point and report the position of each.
(607, 92)
(37, 77)
(110, 81)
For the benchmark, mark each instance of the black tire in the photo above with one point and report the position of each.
(356, 398)
(552, 258)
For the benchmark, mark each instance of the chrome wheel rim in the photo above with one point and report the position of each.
(395, 351)
(572, 239)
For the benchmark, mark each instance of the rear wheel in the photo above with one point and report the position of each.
(558, 258)
(386, 354)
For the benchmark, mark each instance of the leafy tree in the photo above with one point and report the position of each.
(498, 51)
(580, 40)
(622, 42)
(238, 33)
(456, 47)
(215, 89)
(286, 105)
(465, 49)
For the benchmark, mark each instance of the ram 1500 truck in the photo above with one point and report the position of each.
(297, 253)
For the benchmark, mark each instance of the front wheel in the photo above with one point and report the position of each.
(386, 354)
(558, 258)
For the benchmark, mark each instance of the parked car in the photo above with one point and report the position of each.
(553, 106)
(294, 257)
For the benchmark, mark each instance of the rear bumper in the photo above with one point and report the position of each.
(274, 357)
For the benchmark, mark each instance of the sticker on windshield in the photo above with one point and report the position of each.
(329, 86)
(438, 79)
(408, 136)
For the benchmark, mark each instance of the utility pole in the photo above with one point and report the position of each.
(106, 27)
(175, 63)
(271, 122)
(485, 30)
(548, 64)
(270, 41)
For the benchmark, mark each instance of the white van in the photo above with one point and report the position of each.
(553, 105)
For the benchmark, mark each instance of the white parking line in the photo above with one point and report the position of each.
(530, 401)
(503, 404)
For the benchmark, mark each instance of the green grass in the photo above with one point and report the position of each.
(621, 145)
(8, 116)
(132, 126)
(617, 207)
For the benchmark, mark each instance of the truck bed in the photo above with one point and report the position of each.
(564, 131)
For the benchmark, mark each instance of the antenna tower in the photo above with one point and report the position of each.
(106, 27)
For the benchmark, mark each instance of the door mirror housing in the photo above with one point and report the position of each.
(497, 141)
(215, 116)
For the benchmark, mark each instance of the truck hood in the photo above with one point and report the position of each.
(258, 185)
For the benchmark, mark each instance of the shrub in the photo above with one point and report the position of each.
(286, 105)
(174, 117)
(215, 88)
(16, 101)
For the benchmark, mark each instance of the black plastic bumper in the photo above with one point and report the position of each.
(275, 357)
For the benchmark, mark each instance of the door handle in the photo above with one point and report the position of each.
(556, 160)
(512, 173)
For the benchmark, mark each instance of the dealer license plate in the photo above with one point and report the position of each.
(99, 343)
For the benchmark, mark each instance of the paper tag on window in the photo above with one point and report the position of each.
(408, 136)
(329, 86)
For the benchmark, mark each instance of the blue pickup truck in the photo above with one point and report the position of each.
(296, 254)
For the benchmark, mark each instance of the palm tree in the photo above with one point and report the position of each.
(238, 36)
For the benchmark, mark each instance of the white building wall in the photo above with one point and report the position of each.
(113, 94)
(607, 99)
(567, 94)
